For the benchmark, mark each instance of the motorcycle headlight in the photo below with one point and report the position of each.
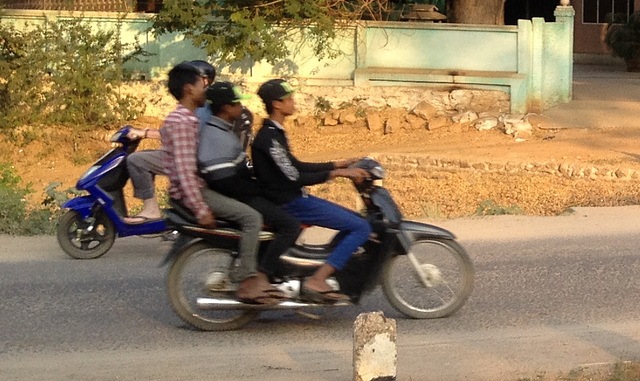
(115, 137)
(378, 172)
(89, 172)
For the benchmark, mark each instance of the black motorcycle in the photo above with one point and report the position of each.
(423, 271)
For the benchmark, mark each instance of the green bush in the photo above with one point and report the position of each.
(16, 217)
(64, 72)
(489, 208)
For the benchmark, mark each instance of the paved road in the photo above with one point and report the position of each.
(604, 96)
(552, 294)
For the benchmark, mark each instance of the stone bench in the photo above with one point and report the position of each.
(514, 83)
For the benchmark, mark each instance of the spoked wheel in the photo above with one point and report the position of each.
(434, 280)
(202, 271)
(85, 238)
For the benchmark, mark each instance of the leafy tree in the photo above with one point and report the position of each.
(478, 12)
(62, 72)
(234, 30)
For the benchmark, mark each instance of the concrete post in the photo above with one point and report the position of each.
(375, 354)
(565, 15)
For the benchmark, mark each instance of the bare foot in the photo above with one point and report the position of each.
(252, 290)
(134, 220)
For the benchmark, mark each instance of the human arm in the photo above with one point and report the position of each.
(138, 133)
(336, 169)
(345, 163)
(183, 145)
(294, 171)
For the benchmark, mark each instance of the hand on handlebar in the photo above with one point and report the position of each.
(135, 134)
(355, 174)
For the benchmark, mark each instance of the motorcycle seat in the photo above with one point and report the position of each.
(181, 215)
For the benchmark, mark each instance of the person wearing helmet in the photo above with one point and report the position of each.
(241, 125)
(144, 165)
(180, 138)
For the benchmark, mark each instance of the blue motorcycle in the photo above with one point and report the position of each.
(90, 227)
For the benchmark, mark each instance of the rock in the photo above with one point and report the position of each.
(375, 123)
(415, 122)
(465, 117)
(522, 134)
(389, 125)
(512, 118)
(329, 121)
(437, 123)
(347, 117)
(375, 354)
(519, 128)
(486, 123)
(425, 110)
(460, 99)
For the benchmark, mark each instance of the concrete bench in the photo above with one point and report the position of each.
(515, 84)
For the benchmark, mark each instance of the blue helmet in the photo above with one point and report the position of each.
(205, 68)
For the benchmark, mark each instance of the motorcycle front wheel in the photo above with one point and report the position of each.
(202, 271)
(83, 238)
(432, 281)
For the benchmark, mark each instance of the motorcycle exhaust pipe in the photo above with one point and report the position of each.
(230, 304)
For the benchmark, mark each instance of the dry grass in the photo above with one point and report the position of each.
(621, 371)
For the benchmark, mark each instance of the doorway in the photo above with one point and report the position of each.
(527, 9)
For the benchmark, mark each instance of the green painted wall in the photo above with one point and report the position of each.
(533, 61)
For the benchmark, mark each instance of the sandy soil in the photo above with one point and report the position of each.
(51, 155)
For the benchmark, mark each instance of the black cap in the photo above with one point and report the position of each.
(224, 93)
(275, 90)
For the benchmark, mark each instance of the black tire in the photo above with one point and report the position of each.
(186, 283)
(449, 275)
(80, 243)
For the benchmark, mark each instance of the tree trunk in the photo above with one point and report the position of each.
(478, 11)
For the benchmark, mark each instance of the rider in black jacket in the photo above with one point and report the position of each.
(223, 164)
(282, 177)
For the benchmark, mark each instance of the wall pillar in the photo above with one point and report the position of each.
(565, 15)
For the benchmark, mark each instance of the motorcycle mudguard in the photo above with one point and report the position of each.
(383, 200)
(418, 230)
(182, 243)
(81, 205)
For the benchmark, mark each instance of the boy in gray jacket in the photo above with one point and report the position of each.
(223, 163)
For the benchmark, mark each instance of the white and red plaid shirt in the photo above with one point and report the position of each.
(179, 135)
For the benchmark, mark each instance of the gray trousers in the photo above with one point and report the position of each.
(250, 222)
(143, 167)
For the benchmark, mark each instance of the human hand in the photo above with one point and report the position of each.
(207, 221)
(135, 134)
(345, 163)
(355, 174)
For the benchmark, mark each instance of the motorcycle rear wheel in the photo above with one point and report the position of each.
(79, 242)
(186, 282)
(448, 274)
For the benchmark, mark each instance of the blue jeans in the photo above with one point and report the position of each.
(316, 211)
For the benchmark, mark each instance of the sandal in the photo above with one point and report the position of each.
(137, 220)
(264, 299)
(329, 296)
(275, 293)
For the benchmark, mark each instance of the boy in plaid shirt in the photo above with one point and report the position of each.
(180, 137)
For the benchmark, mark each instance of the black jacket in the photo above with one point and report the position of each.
(279, 173)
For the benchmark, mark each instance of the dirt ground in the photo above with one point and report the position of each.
(451, 186)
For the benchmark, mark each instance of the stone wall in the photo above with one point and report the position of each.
(413, 165)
